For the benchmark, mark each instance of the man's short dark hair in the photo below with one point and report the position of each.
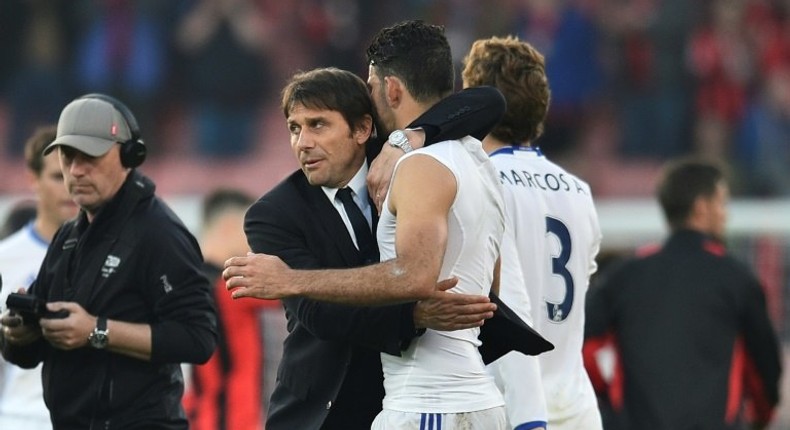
(681, 183)
(331, 89)
(220, 200)
(419, 55)
(34, 147)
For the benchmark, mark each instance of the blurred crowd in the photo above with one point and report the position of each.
(636, 81)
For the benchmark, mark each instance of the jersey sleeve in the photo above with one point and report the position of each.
(518, 378)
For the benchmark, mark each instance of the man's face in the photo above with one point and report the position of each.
(717, 210)
(377, 93)
(54, 203)
(329, 152)
(92, 181)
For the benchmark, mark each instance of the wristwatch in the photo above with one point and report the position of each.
(398, 139)
(100, 335)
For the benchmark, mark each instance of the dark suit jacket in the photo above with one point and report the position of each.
(299, 224)
(330, 362)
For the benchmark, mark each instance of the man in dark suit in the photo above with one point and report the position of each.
(330, 375)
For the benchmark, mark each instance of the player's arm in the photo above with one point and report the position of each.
(518, 378)
(423, 191)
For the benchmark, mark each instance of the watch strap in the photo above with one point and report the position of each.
(101, 324)
(99, 337)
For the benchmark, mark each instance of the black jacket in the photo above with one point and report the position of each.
(135, 262)
(690, 323)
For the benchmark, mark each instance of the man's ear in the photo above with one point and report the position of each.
(363, 130)
(700, 209)
(32, 179)
(393, 91)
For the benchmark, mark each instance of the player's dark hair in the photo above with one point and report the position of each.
(681, 183)
(34, 147)
(331, 89)
(418, 54)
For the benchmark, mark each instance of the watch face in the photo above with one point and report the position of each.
(98, 339)
(397, 137)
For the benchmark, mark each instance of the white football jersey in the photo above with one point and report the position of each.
(552, 237)
(442, 371)
(21, 395)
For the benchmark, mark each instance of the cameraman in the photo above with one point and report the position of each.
(128, 273)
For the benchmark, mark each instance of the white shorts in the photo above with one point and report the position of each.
(487, 419)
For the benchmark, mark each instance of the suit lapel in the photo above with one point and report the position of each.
(324, 214)
(375, 217)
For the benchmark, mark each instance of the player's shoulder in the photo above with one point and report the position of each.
(21, 238)
(439, 152)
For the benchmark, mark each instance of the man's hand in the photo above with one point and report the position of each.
(446, 311)
(71, 332)
(260, 276)
(380, 172)
(15, 331)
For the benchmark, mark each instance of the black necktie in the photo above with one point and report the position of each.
(367, 247)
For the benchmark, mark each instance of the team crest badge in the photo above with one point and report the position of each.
(110, 265)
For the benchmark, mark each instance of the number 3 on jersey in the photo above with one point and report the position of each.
(558, 312)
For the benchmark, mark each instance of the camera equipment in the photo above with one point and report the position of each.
(31, 308)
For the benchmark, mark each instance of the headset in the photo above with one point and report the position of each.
(133, 151)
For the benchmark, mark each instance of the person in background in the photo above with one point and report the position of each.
(552, 237)
(21, 396)
(689, 322)
(226, 392)
(226, 47)
(123, 284)
(20, 214)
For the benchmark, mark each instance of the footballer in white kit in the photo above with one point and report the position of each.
(21, 398)
(552, 237)
(21, 393)
(552, 222)
(442, 372)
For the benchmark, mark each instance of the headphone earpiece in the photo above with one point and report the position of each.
(133, 151)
